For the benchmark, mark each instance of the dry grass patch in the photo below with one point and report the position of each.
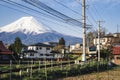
(106, 75)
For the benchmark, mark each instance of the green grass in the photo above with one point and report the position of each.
(52, 73)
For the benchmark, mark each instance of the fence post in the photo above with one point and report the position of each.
(69, 64)
(31, 69)
(20, 72)
(28, 69)
(51, 65)
(39, 65)
(10, 69)
(39, 69)
(45, 70)
(61, 65)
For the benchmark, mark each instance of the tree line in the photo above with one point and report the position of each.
(17, 46)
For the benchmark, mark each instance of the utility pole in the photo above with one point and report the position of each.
(84, 30)
(117, 28)
(99, 40)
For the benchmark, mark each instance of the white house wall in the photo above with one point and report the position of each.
(72, 47)
(43, 50)
(36, 55)
(103, 42)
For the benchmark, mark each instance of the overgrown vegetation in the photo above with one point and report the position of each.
(60, 71)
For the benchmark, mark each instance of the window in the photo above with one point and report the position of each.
(31, 54)
(41, 54)
(92, 48)
(103, 40)
(117, 57)
(37, 48)
(47, 55)
(40, 47)
(47, 48)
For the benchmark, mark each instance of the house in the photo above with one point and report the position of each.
(29, 54)
(107, 41)
(116, 54)
(4, 52)
(116, 35)
(57, 55)
(104, 41)
(51, 43)
(38, 51)
(41, 51)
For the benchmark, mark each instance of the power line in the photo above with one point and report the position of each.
(49, 21)
(92, 17)
(28, 8)
(63, 20)
(89, 19)
(51, 11)
(94, 9)
(75, 11)
(79, 1)
(67, 7)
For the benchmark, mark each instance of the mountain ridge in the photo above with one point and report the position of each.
(31, 31)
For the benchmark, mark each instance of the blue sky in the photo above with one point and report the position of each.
(105, 10)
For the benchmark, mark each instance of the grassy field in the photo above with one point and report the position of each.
(86, 71)
(113, 74)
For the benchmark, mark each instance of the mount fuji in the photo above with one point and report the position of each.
(30, 31)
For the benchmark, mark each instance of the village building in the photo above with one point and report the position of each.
(51, 43)
(107, 41)
(5, 54)
(116, 54)
(40, 51)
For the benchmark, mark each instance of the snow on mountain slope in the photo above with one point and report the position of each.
(26, 25)
(31, 31)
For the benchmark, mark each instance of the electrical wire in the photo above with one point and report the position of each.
(67, 7)
(46, 20)
(53, 12)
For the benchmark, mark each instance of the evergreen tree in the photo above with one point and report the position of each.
(11, 48)
(17, 45)
(61, 41)
(60, 46)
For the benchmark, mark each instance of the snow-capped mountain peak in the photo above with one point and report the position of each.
(30, 31)
(26, 25)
